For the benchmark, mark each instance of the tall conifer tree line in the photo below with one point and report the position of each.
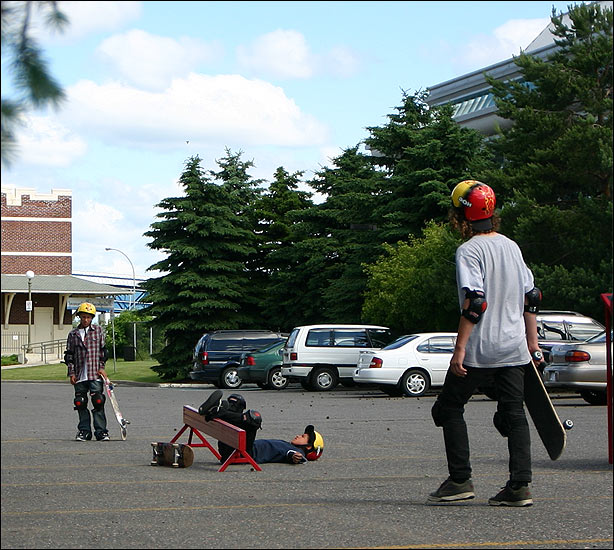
(243, 253)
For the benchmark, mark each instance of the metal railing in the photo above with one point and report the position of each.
(52, 349)
(12, 342)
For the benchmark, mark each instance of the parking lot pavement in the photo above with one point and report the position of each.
(381, 459)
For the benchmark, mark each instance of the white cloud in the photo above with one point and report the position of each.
(88, 17)
(286, 54)
(44, 141)
(279, 53)
(202, 109)
(118, 224)
(506, 41)
(155, 60)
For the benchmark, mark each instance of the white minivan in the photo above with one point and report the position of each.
(321, 356)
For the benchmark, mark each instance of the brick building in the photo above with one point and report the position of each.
(37, 237)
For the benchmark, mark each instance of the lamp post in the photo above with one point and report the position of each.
(30, 276)
(133, 275)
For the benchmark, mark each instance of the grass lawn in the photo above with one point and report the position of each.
(132, 371)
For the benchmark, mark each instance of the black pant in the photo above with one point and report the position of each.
(448, 412)
(236, 419)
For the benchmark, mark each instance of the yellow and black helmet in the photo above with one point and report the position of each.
(86, 307)
(316, 442)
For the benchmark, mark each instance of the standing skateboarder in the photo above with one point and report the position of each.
(497, 336)
(85, 358)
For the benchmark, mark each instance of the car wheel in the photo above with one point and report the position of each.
(324, 379)
(594, 397)
(230, 379)
(392, 391)
(415, 383)
(276, 380)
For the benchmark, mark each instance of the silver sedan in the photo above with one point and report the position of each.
(580, 366)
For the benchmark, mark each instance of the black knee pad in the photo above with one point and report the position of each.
(438, 413)
(80, 401)
(502, 423)
(443, 413)
(98, 400)
(507, 417)
(236, 402)
(252, 419)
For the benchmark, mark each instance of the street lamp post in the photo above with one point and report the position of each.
(30, 276)
(133, 275)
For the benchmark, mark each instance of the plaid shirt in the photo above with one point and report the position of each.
(87, 353)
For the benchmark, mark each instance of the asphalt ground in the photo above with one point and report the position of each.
(382, 458)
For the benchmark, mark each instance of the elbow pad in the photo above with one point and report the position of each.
(533, 300)
(477, 305)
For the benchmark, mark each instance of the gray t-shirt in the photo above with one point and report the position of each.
(494, 265)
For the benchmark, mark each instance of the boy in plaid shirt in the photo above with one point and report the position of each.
(85, 358)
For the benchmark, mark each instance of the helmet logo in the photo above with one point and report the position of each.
(465, 202)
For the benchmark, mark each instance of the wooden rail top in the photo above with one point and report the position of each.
(216, 428)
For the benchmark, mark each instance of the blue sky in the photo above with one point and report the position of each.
(290, 84)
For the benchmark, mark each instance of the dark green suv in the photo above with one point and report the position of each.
(217, 354)
(264, 367)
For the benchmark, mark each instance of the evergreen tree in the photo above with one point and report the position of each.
(242, 193)
(205, 280)
(349, 234)
(277, 210)
(32, 78)
(424, 154)
(555, 184)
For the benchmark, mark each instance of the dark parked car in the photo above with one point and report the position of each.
(264, 367)
(217, 354)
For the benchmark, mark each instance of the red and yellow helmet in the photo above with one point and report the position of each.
(477, 200)
(316, 442)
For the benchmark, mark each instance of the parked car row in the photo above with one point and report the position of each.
(319, 357)
(580, 366)
(218, 355)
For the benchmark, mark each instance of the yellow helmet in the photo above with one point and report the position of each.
(86, 307)
(316, 442)
(461, 190)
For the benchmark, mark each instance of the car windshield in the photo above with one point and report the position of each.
(401, 341)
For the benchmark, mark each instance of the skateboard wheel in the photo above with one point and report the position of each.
(568, 424)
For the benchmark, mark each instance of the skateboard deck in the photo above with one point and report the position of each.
(176, 455)
(547, 422)
(118, 415)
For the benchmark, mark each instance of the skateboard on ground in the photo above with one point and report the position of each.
(176, 455)
(547, 422)
(118, 415)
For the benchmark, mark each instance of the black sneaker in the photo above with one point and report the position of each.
(83, 436)
(512, 497)
(449, 491)
(210, 407)
(103, 436)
